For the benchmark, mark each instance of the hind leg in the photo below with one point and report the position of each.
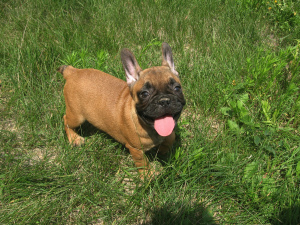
(71, 122)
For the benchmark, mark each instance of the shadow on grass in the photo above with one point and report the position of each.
(164, 159)
(87, 130)
(180, 213)
(288, 216)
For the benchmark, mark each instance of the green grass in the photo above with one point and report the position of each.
(237, 155)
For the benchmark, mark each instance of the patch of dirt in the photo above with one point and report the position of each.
(10, 125)
(216, 125)
(129, 177)
(268, 38)
(40, 154)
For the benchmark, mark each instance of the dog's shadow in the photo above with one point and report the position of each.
(87, 130)
(180, 212)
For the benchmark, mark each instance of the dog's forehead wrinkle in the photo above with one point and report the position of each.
(147, 85)
(165, 76)
(172, 81)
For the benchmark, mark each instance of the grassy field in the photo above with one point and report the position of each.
(237, 155)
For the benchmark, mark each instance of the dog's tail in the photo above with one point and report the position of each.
(63, 71)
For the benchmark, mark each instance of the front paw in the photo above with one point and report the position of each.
(78, 141)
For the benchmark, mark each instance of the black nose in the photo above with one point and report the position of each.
(164, 102)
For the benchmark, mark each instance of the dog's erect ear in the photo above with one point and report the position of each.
(130, 65)
(168, 58)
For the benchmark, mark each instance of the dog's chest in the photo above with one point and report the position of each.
(150, 141)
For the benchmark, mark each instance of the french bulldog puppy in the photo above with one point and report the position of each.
(141, 114)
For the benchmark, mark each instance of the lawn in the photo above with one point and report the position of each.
(236, 159)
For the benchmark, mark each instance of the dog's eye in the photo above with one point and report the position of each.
(177, 88)
(144, 94)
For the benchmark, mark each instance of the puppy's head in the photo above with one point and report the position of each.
(156, 91)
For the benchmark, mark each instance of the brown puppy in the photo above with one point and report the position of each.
(140, 114)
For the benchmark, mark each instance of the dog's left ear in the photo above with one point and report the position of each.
(168, 58)
(130, 65)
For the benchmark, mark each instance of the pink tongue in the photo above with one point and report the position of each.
(164, 125)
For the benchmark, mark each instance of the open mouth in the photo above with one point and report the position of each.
(164, 125)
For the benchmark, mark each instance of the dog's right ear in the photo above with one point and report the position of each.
(130, 65)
